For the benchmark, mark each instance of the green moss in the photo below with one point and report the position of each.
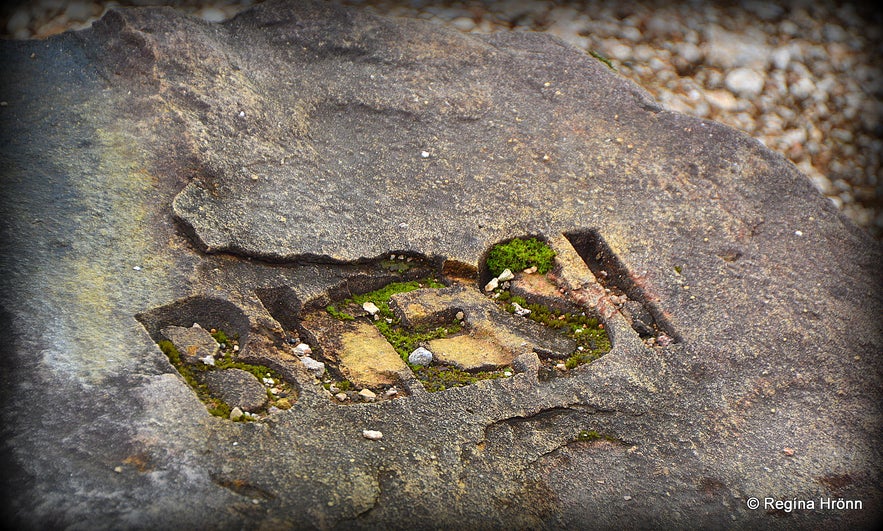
(398, 266)
(404, 340)
(439, 378)
(219, 408)
(588, 435)
(382, 296)
(220, 337)
(591, 338)
(214, 405)
(519, 254)
(337, 314)
(603, 59)
(171, 352)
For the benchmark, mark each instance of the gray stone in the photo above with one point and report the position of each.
(195, 344)
(420, 356)
(133, 127)
(314, 366)
(237, 388)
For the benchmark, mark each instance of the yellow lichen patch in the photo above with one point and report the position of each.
(367, 359)
(470, 353)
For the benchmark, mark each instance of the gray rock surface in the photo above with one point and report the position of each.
(194, 343)
(237, 388)
(287, 143)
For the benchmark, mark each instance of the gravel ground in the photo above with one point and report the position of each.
(802, 76)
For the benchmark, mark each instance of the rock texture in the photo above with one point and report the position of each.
(159, 171)
(194, 343)
(237, 388)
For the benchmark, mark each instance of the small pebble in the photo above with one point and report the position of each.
(372, 435)
(367, 395)
(424, 154)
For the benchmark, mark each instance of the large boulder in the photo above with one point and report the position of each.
(271, 163)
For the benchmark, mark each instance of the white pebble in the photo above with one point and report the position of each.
(372, 435)
(370, 307)
(367, 395)
(424, 154)
(303, 350)
(492, 285)
(519, 310)
(505, 275)
(137, 268)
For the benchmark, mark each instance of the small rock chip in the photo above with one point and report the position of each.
(372, 435)
(530, 270)
(303, 350)
(371, 308)
(283, 403)
(492, 285)
(391, 392)
(367, 395)
(424, 154)
(460, 316)
(421, 356)
(235, 413)
(342, 397)
(519, 310)
(788, 451)
(505, 275)
(315, 367)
